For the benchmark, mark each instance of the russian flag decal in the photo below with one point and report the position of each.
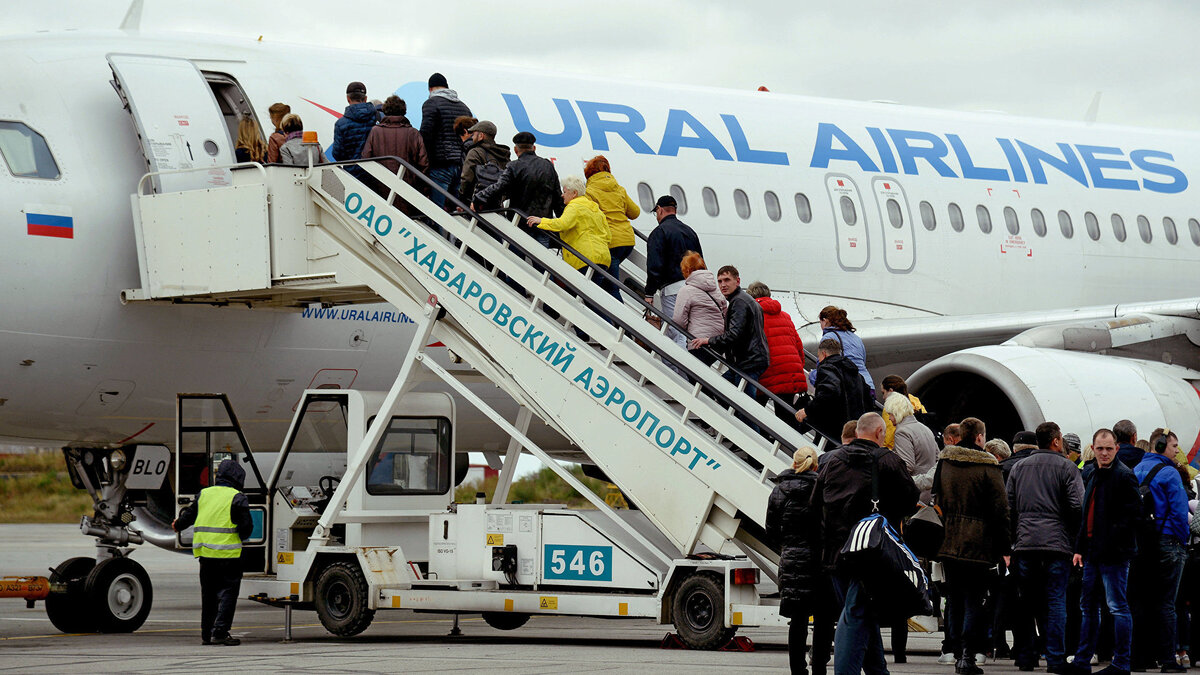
(42, 224)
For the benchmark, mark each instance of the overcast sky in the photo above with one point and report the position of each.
(1042, 59)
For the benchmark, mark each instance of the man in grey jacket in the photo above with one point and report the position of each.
(1045, 495)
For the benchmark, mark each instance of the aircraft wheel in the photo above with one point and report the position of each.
(698, 610)
(505, 620)
(341, 599)
(69, 611)
(120, 595)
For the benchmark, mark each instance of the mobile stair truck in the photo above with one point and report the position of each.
(357, 508)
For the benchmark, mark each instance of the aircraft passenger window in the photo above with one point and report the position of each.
(956, 217)
(1064, 224)
(774, 210)
(645, 197)
(1170, 231)
(1194, 230)
(1092, 225)
(803, 208)
(680, 200)
(25, 152)
(985, 219)
(895, 217)
(928, 218)
(709, 197)
(412, 458)
(1144, 229)
(1039, 222)
(1118, 224)
(741, 203)
(849, 214)
(1010, 221)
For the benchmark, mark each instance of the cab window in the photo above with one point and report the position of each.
(25, 152)
(412, 458)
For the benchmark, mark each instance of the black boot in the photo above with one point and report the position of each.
(966, 666)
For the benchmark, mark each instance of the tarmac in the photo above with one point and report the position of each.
(398, 640)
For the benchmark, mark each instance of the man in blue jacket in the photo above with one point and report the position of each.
(351, 131)
(1161, 556)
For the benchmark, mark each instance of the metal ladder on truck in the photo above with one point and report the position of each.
(511, 309)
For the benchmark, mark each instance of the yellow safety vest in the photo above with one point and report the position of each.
(215, 535)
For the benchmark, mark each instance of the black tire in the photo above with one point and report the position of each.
(120, 595)
(505, 620)
(341, 599)
(698, 610)
(69, 611)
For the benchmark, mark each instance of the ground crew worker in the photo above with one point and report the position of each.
(221, 515)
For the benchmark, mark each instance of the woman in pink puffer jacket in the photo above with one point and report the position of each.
(700, 306)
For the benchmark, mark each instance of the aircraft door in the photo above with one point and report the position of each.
(850, 224)
(177, 119)
(896, 222)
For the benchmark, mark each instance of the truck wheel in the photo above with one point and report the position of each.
(120, 595)
(505, 620)
(69, 611)
(341, 599)
(699, 612)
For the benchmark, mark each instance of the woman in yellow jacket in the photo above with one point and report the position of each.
(582, 227)
(618, 210)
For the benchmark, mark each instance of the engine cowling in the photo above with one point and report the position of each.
(1013, 387)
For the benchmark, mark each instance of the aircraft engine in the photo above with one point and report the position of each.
(1013, 387)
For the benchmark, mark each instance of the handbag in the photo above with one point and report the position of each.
(925, 530)
(876, 556)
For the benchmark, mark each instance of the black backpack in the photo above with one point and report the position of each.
(486, 176)
(1148, 527)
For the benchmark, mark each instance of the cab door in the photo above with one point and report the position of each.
(850, 223)
(178, 122)
(896, 224)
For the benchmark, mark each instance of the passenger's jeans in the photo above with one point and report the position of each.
(857, 645)
(448, 177)
(618, 254)
(1172, 555)
(1042, 578)
(668, 309)
(966, 618)
(1108, 581)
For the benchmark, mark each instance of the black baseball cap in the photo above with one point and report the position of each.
(666, 201)
(356, 87)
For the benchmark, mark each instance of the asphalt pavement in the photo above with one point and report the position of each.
(397, 641)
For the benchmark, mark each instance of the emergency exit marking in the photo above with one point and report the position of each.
(285, 558)
(548, 602)
(577, 563)
(495, 539)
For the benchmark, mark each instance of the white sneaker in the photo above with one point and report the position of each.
(980, 659)
(1095, 660)
(947, 659)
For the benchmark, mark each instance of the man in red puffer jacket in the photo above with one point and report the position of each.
(785, 376)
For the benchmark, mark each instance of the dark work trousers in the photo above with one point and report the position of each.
(798, 643)
(826, 609)
(220, 579)
(967, 614)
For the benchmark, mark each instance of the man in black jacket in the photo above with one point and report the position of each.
(1023, 445)
(842, 497)
(1045, 496)
(1105, 545)
(665, 248)
(744, 341)
(444, 147)
(484, 158)
(531, 185)
(840, 394)
(1128, 453)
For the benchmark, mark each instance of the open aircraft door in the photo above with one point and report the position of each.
(850, 223)
(177, 118)
(897, 225)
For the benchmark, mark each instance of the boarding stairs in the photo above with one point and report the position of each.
(628, 396)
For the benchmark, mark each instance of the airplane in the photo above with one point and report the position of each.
(1015, 269)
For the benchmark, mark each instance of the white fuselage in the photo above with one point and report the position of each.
(77, 366)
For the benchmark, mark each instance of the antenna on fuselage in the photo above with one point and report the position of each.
(133, 17)
(1093, 110)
